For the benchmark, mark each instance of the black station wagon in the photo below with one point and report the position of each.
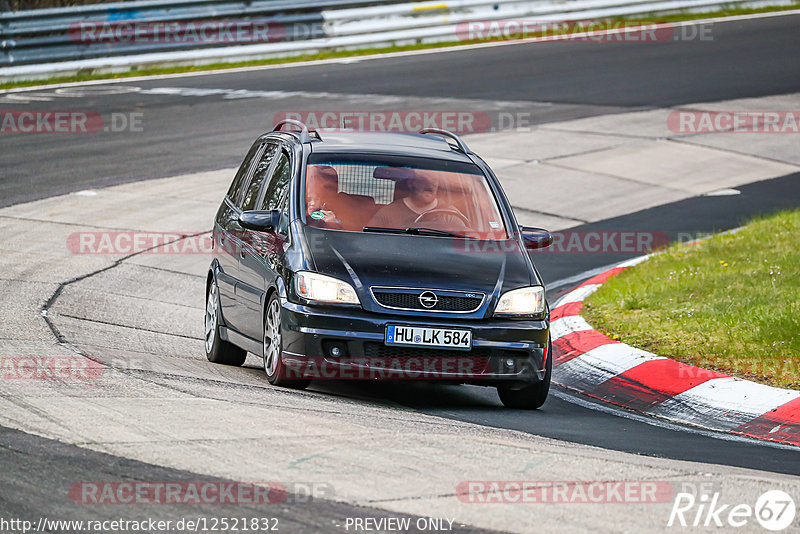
(370, 255)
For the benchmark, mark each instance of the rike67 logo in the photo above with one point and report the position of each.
(774, 510)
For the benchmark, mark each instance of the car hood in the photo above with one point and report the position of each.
(411, 261)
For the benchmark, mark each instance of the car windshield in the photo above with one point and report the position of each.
(400, 195)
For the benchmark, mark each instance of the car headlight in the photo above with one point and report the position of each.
(321, 288)
(523, 301)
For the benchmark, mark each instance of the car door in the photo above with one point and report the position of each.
(262, 258)
(227, 233)
(238, 236)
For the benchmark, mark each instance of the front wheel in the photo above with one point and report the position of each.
(217, 349)
(273, 348)
(530, 397)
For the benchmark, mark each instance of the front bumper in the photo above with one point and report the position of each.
(503, 350)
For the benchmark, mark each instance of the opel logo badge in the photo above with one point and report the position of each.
(428, 299)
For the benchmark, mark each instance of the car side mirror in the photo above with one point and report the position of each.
(260, 221)
(536, 238)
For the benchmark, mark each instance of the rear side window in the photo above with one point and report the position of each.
(259, 175)
(278, 183)
(235, 190)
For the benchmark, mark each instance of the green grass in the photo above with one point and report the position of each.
(730, 303)
(361, 52)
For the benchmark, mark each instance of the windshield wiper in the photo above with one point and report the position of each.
(414, 230)
(417, 230)
(383, 229)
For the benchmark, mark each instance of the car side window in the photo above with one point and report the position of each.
(259, 175)
(278, 183)
(235, 190)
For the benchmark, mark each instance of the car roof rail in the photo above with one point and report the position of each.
(462, 146)
(304, 135)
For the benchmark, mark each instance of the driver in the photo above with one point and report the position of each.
(422, 198)
(322, 185)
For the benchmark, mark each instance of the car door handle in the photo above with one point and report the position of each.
(242, 254)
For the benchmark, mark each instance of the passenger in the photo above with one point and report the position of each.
(422, 198)
(322, 186)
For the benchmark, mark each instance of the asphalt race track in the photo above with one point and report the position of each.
(551, 81)
(185, 132)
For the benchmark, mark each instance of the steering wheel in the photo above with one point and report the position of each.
(438, 214)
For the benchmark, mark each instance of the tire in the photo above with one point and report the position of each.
(530, 397)
(217, 349)
(272, 348)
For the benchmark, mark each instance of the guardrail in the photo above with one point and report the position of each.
(126, 35)
(49, 35)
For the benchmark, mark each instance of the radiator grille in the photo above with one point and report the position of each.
(411, 301)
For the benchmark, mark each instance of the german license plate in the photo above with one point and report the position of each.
(417, 336)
